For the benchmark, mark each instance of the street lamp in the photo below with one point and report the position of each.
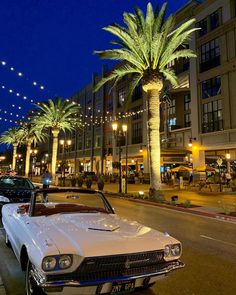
(18, 157)
(227, 157)
(219, 163)
(119, 133)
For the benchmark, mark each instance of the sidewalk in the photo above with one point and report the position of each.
(212, 205)
(2, 288)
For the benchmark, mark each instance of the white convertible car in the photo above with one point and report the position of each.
(72, 242)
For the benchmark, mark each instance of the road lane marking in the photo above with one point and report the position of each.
(213, 239)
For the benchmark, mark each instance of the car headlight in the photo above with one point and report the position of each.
(167, 251)
(172, 250)
(176, 250)
(65, 261)
(4, 199)
(51, 263)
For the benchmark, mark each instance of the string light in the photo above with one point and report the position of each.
(11, 114)
(20, 74)
(16, 93)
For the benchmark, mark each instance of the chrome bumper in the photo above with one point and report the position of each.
(43, 283)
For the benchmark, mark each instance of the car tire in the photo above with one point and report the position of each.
(30, 284)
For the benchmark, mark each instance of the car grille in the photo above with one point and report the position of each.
(113, 267)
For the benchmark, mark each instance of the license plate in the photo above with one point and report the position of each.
(122, 287)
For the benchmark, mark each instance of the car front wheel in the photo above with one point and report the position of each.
(30, 284)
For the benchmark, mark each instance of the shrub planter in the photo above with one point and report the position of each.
(100, 183)
(80, 181)
(89, 182)
(215, 188)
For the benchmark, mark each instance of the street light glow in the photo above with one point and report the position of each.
(227, 156)
(124, 127)
(114, 126)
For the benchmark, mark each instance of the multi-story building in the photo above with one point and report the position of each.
(200, 111)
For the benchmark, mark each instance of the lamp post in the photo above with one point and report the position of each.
(227, 157)
(219, 163)
(18, 158)
(33, 153)
(119, 133)
(65, 144)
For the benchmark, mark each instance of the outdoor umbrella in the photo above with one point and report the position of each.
(181, 168)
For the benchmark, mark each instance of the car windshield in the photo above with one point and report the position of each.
(15, 183)
(67, 202)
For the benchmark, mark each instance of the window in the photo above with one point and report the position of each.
(137, 125)
(79, 147)
(98, 141)
(137, 92)
(187, 100)
(203, 27)
(172, 121)
(121, 97)
(209, 23)
(211, 87)
(88, 143)
(212, 116)
(89, 98)
(137, 114)
(215, 19)
(137, 132)
(187, 120)
(209, 55)
(171, 108)
(109, 106)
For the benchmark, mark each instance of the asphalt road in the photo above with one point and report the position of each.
(209, 252)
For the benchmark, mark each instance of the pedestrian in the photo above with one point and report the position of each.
(190, 177)
(141, 176)
(46, 179)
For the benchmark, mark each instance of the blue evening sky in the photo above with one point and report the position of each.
(51, 42)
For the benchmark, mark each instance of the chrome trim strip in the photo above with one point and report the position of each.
(70, 283)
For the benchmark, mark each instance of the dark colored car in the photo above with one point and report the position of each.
(15, 189)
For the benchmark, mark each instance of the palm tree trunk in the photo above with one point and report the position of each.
(55, 133)
(27, 158)
(153, 108)
(14, 156)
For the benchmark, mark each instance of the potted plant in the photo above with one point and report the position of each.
(88, 182)
(73, 181)
(80, 181)
(100, 183)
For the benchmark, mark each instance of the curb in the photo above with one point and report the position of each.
(209, 214)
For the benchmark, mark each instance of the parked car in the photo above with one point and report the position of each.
(15, 189)
(70, 241)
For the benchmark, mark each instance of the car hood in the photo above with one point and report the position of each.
(95, 234)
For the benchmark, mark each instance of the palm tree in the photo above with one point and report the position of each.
(31, 134)
(147, 45)
(56, 115)
(12, 136)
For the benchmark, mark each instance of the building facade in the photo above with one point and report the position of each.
(198, 124)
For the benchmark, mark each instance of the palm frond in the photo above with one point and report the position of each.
(170, 75)
(147, 43)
